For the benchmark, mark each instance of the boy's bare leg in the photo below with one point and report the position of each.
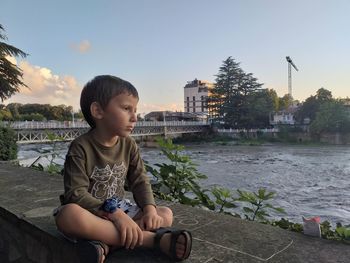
(74, 221)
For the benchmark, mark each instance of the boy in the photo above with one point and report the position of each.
(96, 167)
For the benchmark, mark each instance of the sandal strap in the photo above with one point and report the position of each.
(188, 244)
(159, 234)
(174, 236)
(101, 244)
(175, 233)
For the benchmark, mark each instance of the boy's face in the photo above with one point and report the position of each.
(119, 116)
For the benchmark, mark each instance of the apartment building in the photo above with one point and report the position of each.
(196, 93)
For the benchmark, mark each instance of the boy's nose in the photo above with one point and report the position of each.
(133, 117)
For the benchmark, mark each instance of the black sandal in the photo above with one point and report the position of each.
(175, 233)
(90, 251)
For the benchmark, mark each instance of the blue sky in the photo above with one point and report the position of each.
(159, 45)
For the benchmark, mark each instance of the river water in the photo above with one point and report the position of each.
(308, 180)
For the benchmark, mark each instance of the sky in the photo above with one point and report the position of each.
(159, 45)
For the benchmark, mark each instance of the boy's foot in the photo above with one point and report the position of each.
(175, 243)
(92, 251)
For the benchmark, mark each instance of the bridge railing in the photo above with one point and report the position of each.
(248, 130)
(170, 123)
(19, 125)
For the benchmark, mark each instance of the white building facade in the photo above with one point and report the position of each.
(196, 93)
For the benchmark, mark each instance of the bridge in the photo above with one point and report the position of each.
(40, 132)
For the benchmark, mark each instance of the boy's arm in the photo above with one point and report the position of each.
(138, 181)
(76, 182)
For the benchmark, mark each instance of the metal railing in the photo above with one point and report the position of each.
(20, 125)
(248, 130)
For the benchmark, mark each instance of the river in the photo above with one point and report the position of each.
(308, 180)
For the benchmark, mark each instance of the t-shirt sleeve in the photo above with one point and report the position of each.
(138, 180)
(76, 180)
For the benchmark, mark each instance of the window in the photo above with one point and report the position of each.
(188, 104)
(194, 104)
(202, 103)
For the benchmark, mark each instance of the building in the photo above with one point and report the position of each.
(285, 117)
(196, 93)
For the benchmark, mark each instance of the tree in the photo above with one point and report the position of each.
(229, 100)
(261, 104)
(323, 95)
(5, 115)
(14, 109)
(331, 117)
(312, 105)
(285, 102)
(10, 74)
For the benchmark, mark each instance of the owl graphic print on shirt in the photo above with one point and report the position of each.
(108, 182)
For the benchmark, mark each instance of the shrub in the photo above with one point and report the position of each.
(8, 146)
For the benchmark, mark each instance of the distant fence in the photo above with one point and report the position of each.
(273, 130)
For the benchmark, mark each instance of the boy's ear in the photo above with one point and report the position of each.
(96, 110)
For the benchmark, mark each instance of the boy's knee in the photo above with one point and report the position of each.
(68, 216)
(167, 215)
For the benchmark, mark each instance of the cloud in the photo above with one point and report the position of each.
(83, 47)
(45, 87)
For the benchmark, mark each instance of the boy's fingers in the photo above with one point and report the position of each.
(129, 238)
(122, 237)
(135, 238)
(140, 241)
(143, 224)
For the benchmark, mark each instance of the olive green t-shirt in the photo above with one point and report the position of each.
(94, 173)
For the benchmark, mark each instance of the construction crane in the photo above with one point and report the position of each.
(290, 64)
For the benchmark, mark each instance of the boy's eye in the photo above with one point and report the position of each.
(128, 108)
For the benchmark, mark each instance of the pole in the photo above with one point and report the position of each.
(73, 124)
(289, 79)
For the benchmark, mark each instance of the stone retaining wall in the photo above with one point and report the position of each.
(21, 241)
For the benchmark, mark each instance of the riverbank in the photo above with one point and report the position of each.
(28, 233)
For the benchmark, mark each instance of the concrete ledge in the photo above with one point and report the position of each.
(28, 233)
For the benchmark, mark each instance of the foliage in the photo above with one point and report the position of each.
(258, 206)
(229, 100)
(39, 112)
(343, 233)
(10, 74)
(8, 146)
(286, 224)
(5, 115)
(224, 198)
(308, 110)
(331, 117)
(285, 102)
(259, 106)
(177, 180)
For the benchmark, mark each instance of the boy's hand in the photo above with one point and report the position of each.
(130, 233)
(150, 219)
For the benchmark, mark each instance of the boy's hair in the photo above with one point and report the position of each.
(102, 89)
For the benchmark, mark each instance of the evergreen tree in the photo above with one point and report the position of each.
(10, 74)
(228, 102)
